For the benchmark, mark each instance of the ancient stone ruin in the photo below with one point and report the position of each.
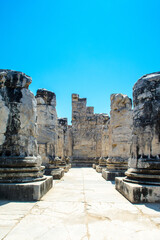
(128, 138)
(64, 144)
(87, 131)
(47, 131)
(142, 181)
(120, 133)
(53, 135)
(21, 173)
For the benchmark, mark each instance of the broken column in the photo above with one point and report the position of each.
(101, 162)
(120, 133)
(101, 150)
(48, 132)
(21, 173)
(142, 181)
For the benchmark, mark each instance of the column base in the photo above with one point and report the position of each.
(56, 173)
(94, 165)
(138, 193)
(67, 167)
(78, 163)
(31, 191)
(110, 175)
(100, 168)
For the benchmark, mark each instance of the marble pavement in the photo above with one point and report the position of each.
(80, 206)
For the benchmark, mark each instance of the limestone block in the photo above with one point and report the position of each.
(32, 191)
(138, 193)
(119, 134)
(87, 132)
(47, 125)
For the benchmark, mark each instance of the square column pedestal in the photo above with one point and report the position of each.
(138, 193)
(110, 175)
(31, 191)
(55, 172)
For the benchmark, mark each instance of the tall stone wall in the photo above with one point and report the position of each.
(47, 125)
(87, 129)
(120, 134)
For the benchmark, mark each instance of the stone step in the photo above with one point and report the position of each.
(82, 163)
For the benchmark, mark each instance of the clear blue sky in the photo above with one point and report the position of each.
(90, 47)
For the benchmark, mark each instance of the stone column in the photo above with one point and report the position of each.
(19, 160)
(63, 144)
(120, 133)
(101, 150)
(142, 181)
(48, 131)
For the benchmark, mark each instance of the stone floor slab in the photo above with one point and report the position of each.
(81, 206)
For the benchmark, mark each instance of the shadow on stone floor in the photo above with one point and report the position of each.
(113, 182)
(4, 202)
(153, 206)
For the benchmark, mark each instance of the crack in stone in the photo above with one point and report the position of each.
(85, 209)
(25, 215)
(149, 217)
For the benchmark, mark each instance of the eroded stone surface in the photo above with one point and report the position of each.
(87, 131)
(144, 165)
(120, 133)
(64, 142)
(47, 125)
(54, 143)
(145, 151)
(19, 160)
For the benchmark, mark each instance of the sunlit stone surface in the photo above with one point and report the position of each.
(19, 159)
(120, 133)
(81, 206)
(144, 164)
(47, 131)
(87, 131)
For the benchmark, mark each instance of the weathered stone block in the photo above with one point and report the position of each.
(94, 165)
(110, 175)
(21, 173)
(31, 191)
(87, 132)
(19, 160)
(56, 173)
(120, 134)
(138, 193)
(142, 183)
